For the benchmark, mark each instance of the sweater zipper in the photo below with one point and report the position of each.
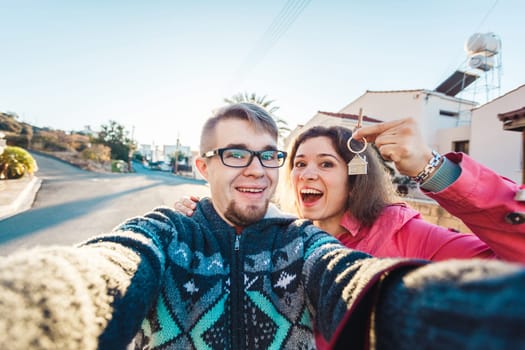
(237, 287)
(237, 243)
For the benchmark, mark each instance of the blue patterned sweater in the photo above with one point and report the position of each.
(260, 289)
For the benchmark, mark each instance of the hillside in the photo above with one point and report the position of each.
(73, 147)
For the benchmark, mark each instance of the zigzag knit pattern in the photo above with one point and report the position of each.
(265, 288)
(199, 309)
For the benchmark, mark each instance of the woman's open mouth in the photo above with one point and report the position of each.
(310, 195)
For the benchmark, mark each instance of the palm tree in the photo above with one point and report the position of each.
(282, 125)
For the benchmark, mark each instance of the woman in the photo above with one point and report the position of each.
(362, 211)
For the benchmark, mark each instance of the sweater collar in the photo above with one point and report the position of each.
(209, 214)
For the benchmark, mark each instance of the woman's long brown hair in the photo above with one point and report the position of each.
(369, 193)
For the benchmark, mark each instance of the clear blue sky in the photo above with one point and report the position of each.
(160, 67)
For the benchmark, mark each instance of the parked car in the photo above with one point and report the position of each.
(162, 166)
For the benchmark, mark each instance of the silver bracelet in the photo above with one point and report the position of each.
(429, 168)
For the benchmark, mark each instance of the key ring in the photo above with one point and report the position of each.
(358, 125)
(365, 144)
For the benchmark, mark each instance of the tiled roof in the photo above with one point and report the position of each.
(518, 113)
(394, 91)
(350, 116)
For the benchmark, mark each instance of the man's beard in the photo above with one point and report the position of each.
(247, 216)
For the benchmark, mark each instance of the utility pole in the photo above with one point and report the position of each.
(131, 149)
(177, 152)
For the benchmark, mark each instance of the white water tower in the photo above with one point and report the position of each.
(484, 57)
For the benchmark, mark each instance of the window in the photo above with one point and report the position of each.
(448, 113)
(460, 146)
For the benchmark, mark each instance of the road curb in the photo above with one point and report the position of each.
(17, 195)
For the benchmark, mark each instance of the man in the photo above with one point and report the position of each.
(230, 278)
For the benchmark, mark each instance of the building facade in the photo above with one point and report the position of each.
(499, 149)
(447, 123)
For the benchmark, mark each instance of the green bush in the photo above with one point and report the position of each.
(16, 162)
(119, 166)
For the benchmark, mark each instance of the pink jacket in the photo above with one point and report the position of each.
(483, 199)
(479, 197)
(401, 232)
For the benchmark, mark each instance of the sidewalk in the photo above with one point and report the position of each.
(17, 195)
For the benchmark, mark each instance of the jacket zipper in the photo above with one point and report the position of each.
(237, 243)
(236, 288)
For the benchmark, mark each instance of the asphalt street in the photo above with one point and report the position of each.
(73, 205)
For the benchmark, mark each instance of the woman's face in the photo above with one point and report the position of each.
(320, 180)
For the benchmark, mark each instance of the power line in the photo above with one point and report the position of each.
(278, 29)
(487, 15)
(279, 26)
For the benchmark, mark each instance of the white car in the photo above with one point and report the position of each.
(162, 166)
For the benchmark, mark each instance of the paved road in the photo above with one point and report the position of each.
(74, 204)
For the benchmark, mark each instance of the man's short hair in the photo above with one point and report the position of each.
(257, 116)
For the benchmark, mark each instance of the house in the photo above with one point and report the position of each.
(433, 110)
(448, 123)
(491, 137)
(146, 151)
(164, 154)
(494, 145)
(182, 152)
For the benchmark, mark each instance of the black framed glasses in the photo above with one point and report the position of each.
(241, 158)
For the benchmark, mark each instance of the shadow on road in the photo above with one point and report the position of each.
(47, 217)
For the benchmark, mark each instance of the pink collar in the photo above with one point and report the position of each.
(350, 224)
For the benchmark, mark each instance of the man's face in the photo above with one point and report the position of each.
(240, 195)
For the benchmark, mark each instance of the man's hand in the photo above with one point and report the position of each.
(401, 142)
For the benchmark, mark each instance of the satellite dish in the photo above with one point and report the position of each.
(487, 44)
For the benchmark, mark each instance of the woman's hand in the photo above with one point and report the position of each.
(186, 205)
(401, 142)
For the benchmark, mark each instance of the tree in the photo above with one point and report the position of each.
(9, 122)
(282, 125)
(114, 135)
